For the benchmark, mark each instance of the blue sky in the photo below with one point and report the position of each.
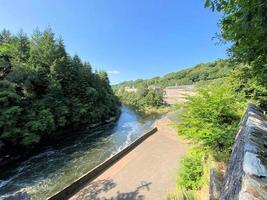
(130, 39)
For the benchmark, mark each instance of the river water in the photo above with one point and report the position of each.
(48, 172)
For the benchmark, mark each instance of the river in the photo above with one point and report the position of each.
(56, 167)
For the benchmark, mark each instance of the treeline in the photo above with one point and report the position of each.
(149, 93)
(44, 90)
(201, 72)
(143, 99)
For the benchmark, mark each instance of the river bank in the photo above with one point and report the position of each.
(153, 167)
(15, 157)
(46, 173)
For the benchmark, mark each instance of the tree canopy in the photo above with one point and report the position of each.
(244, 25)
(44, 90)
(142, 99)
(200, 72)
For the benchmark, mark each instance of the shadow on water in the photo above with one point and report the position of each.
(56, 167)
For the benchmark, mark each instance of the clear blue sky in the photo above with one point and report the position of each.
(130, 39)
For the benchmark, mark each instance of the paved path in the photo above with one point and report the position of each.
(147, 172)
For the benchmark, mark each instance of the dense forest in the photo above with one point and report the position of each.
(200, 72)
(44, 91)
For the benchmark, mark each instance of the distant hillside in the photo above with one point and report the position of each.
(200, 72)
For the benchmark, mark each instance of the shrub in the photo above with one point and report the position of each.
(182, 195)
(212, 117)
(191, 171)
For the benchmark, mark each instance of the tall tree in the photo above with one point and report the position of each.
(244, 24)
(45, 91)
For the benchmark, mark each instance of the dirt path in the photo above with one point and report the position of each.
(147, 172)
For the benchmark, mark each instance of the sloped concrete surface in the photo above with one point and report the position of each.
(147, 172)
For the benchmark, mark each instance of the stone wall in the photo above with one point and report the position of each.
(246, 176)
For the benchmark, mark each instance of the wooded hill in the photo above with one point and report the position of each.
(200, 72)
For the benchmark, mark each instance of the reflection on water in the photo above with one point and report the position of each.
(48, 172)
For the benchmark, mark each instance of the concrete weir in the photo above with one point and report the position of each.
(246, 177)
(72, 188)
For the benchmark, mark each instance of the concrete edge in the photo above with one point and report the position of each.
(99, 169)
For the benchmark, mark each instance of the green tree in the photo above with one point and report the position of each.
(211, 118)
(153, 99)
(142, 99)
(10, 114)
(45, 91)
(244, 24)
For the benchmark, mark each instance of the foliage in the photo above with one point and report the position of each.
(44, 91)
(191, 171)
(177, 106)
(248, 84)
(142, 100)
(201, 72)
(180, 194)
(145, 97)
(244, 24)
(154, 110)
(212, 117)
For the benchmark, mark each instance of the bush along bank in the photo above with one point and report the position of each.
(143, 99)
(210, 121)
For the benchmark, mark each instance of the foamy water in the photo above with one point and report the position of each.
(50, 171)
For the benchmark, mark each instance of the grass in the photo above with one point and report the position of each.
(182, 195)
(154, 110)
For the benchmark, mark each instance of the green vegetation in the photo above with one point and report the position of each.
(143, 99)
(244, 24)
(180, 194)
(201, 72)
(211, 119)
(191, 171)
(149, 100)
(44, 91)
